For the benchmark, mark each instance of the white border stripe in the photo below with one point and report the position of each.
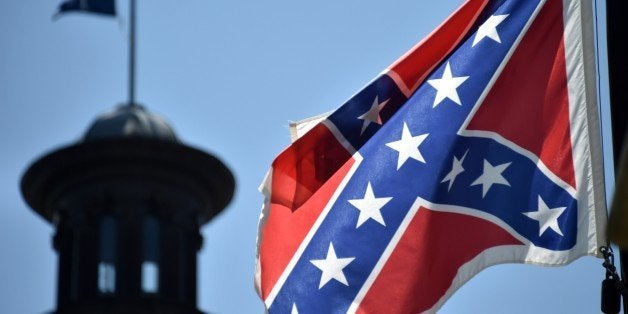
(585, 124)
(264, 188)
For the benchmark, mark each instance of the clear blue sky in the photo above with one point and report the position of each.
(229, 76)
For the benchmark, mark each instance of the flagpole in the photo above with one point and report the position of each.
(616, 33)
(132, 53)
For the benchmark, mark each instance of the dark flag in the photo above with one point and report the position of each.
(106, 7)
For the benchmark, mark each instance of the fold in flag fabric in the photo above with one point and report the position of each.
(106, 7)
(479, 146)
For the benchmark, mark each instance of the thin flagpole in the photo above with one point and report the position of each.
(616, 32)
(132, 53)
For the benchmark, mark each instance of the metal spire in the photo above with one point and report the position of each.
(132, 53)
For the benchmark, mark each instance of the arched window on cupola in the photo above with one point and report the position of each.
(107, 255)
(150, 253)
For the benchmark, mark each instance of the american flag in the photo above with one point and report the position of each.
(480, 146)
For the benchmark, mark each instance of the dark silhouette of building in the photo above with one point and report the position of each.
(127, 202)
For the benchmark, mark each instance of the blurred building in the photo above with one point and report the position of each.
(127, 202)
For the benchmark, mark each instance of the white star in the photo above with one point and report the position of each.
(492, 175)
(332, 267)
(372, 115)
(489, 29)
(408, 146)
(547, 217)
(456, 169)
(370, 206)
(294, 309)
(446, 86)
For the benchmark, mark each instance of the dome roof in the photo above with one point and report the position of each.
(130, 121)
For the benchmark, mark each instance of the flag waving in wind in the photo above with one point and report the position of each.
(480, 146)
(105, 7)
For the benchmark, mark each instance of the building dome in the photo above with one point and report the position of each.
(130, 121)
(127, 202)
(130, 143)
